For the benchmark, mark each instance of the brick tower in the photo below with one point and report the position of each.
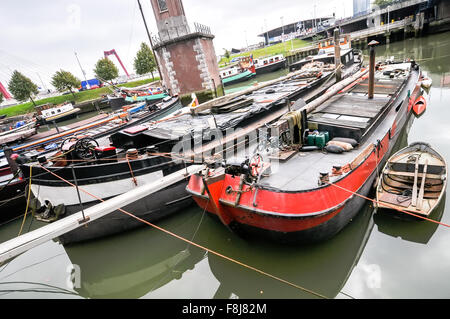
(187, 58)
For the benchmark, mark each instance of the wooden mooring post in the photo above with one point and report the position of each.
(337, 54)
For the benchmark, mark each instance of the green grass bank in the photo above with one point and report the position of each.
(83, 96)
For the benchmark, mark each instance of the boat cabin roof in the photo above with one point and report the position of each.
(351, 115)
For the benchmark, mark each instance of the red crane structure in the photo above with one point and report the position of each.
(4, 92)
(113, 51)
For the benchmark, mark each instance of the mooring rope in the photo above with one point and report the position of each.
(28, 202)
(195, 244)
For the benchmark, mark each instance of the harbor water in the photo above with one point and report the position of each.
(375, 256)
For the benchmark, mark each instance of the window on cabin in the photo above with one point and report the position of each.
(265, 62)
(277, 58)
(162, 5)
(271, 60)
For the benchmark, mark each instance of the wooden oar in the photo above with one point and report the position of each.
(422, 186)
(414, 192)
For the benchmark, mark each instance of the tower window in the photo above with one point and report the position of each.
(162, 5)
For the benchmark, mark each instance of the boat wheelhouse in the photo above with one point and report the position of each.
(49, 113)
(269, 64)
(242, 71)
(125, 96)
(327, 45)
(326, 54)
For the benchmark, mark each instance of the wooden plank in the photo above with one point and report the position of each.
(352, 110)
(393, 199)
(324, 120)
(427, 195)
(422, 186)
(381, 87)
(283, 156)
(409, 181)
(414, 191)
(377, 103)
(362, 156)
(359, 99)
(408, 184)
(408, 174)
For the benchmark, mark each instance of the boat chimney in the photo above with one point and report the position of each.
(372, 45)
(337, 54)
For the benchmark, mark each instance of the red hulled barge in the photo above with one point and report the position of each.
(290, 191)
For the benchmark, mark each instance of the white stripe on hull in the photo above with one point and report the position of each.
(67, 195)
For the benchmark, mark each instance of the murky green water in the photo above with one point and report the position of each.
(375, 256)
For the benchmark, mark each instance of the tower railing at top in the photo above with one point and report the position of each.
(179, 31)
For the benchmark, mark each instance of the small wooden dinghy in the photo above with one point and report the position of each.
(413, 180)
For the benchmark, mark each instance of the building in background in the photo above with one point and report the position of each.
(296, 30)
(360, 7)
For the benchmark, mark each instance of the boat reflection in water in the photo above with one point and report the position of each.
(136, 263)
(417, 231)
(323, 268)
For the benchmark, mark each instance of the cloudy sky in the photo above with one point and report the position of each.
(40, 37)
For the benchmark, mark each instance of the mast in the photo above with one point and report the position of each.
(151, 43)
(82, 71)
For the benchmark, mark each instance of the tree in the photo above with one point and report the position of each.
(1, 97)
(64, 80)
(105, 70)
(227, 54)
(22, 88)
(144, 62)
